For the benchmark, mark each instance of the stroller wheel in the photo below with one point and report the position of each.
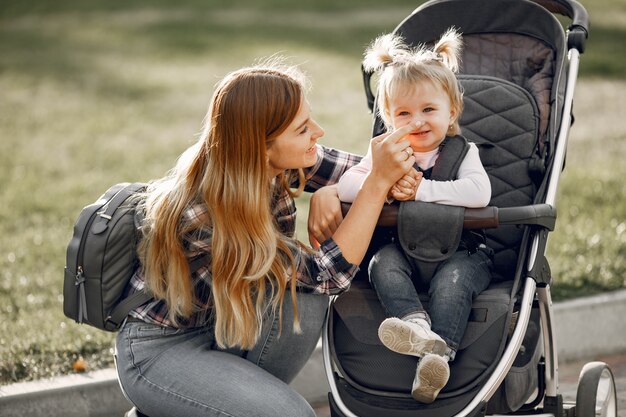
(596, 395)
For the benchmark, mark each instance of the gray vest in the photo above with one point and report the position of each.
(430, 233)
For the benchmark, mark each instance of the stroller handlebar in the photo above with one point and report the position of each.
(578, 30)
(536, 214)
(489, 217)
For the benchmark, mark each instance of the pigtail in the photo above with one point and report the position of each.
(449, 49)
(384, 51)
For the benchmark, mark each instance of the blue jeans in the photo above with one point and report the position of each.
(454, 285)
(178, 372)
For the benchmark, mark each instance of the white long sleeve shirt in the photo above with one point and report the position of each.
(472, 188)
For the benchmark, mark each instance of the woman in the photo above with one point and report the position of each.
(238, 303)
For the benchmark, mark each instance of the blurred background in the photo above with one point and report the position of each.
(99, 92)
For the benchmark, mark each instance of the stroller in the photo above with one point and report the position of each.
(518, 72)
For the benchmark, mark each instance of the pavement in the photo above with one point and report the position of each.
(587, 329)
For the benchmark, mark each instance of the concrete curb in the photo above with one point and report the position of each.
(591, 326)
(586, 327)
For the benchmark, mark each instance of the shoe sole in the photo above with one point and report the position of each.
(397, 336)
(432, 376)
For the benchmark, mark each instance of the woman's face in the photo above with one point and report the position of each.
(429, 104)
(295, 147)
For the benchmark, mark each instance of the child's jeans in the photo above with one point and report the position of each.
(173, 372)
(455, 284)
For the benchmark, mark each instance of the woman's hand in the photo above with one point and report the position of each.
(324, 215)
(392, 157)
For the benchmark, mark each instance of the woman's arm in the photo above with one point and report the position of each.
(330, 166)
(389, 163)
(350, 182)
(472, 189)
(331, 268)
(325, 206)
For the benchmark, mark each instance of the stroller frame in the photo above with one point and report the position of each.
(535, 288)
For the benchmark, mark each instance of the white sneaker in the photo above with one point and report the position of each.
(410, 338)
(431, 376)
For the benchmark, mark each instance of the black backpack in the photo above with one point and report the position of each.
(101, 259)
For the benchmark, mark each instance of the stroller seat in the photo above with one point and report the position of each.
(370, 365)
(376, 381)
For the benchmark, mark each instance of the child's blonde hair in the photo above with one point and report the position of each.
(400, 66)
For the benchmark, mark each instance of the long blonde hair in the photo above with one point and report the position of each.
(227, 169)
(400, 67)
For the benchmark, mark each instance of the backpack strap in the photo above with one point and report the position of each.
(114, 321)
(106, 213)
(139, 298)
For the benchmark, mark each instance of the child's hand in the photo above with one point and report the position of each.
(406, 187)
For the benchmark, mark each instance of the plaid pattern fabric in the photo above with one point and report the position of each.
(324, 271)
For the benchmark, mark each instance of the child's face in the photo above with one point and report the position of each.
(424, 102)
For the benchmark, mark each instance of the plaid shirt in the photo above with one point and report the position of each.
(324, 271)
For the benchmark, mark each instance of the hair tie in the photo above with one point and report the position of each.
(436, 56)
(426, 56)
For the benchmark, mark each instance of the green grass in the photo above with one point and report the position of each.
(99, 92)
(587, 250)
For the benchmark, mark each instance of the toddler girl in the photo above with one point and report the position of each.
(419, 86)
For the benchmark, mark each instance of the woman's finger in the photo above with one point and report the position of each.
(397, 135)
(379, 138)
(408, 164)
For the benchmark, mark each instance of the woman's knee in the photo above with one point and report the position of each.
(311, 312)
(282, 350)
